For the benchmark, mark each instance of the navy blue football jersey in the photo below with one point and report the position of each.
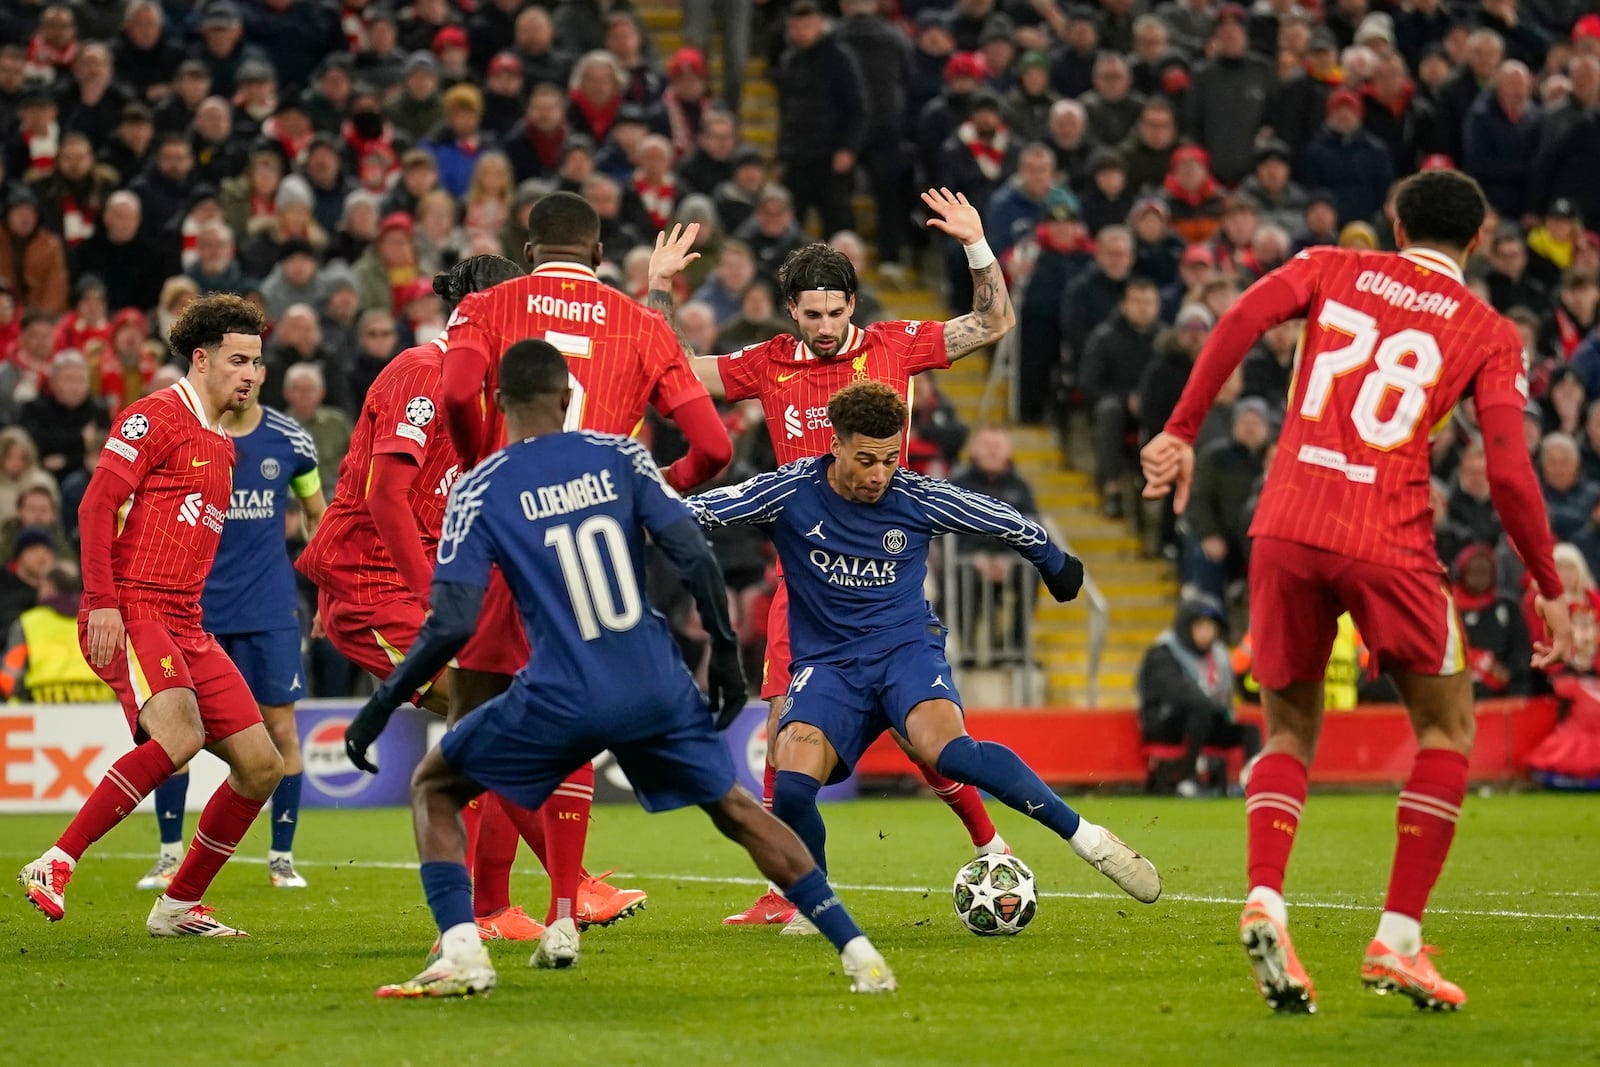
(564, 516)
(855, 572)
(251, 585)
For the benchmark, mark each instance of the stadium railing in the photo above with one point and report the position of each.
(991, 623)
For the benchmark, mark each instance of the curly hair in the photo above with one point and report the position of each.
(816, 266)
(1443, 207)
(870, 409)
(207, 320)
(473, 275)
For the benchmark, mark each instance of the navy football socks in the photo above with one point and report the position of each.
(794, 802)
(1000, 772)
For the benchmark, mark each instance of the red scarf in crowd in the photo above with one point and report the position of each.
(598, 116)
(1195, 198)
(657, 197)
(1569, 332)
(77, 220)
(42, 147)
(680, 126)
(547, 146)
(354, 27)
(44, 62)
(991, 154)
(121, 384)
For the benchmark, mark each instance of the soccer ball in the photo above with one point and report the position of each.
(994, 894)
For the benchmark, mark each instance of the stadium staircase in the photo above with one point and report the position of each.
(1139, 592)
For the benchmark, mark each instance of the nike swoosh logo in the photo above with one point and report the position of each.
(774, 916)
(199, 462)
(792, 374)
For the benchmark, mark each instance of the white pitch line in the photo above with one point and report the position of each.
(857, 887)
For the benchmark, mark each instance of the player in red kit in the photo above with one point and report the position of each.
(1392, 341)
(150, 522)
(794, 377)
(372, 561)
(622, 357)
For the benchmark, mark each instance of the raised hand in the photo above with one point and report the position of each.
(954, 216)
(673, 252)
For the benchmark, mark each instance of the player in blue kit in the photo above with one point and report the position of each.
(249, 605)
(852, 532)
(564, 516)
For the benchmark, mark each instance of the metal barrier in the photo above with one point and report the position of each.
(1099, 615)
(991, 623)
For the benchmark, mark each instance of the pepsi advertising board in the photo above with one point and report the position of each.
(332, 781)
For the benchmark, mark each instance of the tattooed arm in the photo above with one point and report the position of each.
(671, 255)
(992, 315)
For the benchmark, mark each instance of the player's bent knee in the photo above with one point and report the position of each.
(932, 725)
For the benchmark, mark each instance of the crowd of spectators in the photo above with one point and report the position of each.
(1137, 164)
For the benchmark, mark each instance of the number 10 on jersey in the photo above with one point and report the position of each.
(582, 553)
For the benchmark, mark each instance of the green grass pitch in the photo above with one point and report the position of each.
(1097, 978)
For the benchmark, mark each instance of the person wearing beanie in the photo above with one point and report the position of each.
(1224, 473)
(1026, 106)
(1230, 98)
(1347, 161)
(1109, 197)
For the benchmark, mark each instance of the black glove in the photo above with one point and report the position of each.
(725, 680)
(1066, 581)
(363, 731)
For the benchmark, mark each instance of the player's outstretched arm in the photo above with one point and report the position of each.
(1514, 491)
(674, 251)
(952, 509)
(686, 548)
(992, 315)
(447, 630)
(753, 501)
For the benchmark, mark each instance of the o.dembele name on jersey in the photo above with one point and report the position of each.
(566, 497)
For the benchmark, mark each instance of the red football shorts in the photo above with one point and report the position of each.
(375, 637)
(499, 646)
(153, 659)
(1406, 617)
(775, 668)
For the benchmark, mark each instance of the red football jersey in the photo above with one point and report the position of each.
(403, 414)
(168, 529)
(1392, 341)
(622, 355)
(794, 384)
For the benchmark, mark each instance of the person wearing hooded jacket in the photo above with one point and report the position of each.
(1185, 687)
(1498, 647)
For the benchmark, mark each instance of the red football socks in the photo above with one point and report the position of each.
(566, 831)
(1430, 804)
(493, 858)
(130, 780)
(769, 782)
(223, 824)
(1273, 803)
(965, 801)
(471, 816)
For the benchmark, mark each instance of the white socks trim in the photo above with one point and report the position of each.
(1087, 839)
(1401, 933)
(461, 942)
(1272, 901)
